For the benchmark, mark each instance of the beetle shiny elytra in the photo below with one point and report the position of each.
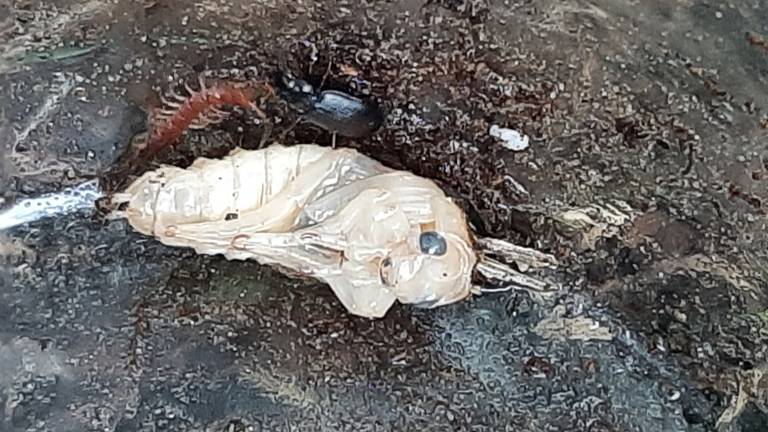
(332, 110)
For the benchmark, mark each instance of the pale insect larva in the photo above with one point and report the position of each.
(373, 234)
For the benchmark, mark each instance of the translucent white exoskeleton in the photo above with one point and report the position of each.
(373, 234)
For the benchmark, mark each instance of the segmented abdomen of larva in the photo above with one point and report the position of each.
(198, 109)
(215, 189)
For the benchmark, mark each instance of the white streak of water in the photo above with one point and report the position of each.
(70, 200)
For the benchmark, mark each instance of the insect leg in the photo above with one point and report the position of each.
(201, 81)
(287, 249)
(169, 103)
(327, 72)
(189, 89)
(290, 128)
(172, 93)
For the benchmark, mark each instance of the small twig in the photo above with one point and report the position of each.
(689, 165)
(265, 135)
(757, 40)
(518, 254)
(493, 269)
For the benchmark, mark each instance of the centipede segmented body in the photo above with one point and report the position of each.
(199, 109)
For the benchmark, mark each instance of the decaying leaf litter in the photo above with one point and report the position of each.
(668, 126)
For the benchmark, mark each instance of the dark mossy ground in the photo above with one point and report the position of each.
(646, 176)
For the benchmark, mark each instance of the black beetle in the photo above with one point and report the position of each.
(332, 110)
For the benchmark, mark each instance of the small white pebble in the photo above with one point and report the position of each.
(511, 139)
(674, 395)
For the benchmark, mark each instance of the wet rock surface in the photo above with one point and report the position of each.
(645, 176)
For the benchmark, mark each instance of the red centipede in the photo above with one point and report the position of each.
(199, 109)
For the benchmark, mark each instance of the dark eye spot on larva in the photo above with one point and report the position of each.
(384, 269)
(432, 243)
(231, 216)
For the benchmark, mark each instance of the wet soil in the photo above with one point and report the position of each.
(656, 110)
